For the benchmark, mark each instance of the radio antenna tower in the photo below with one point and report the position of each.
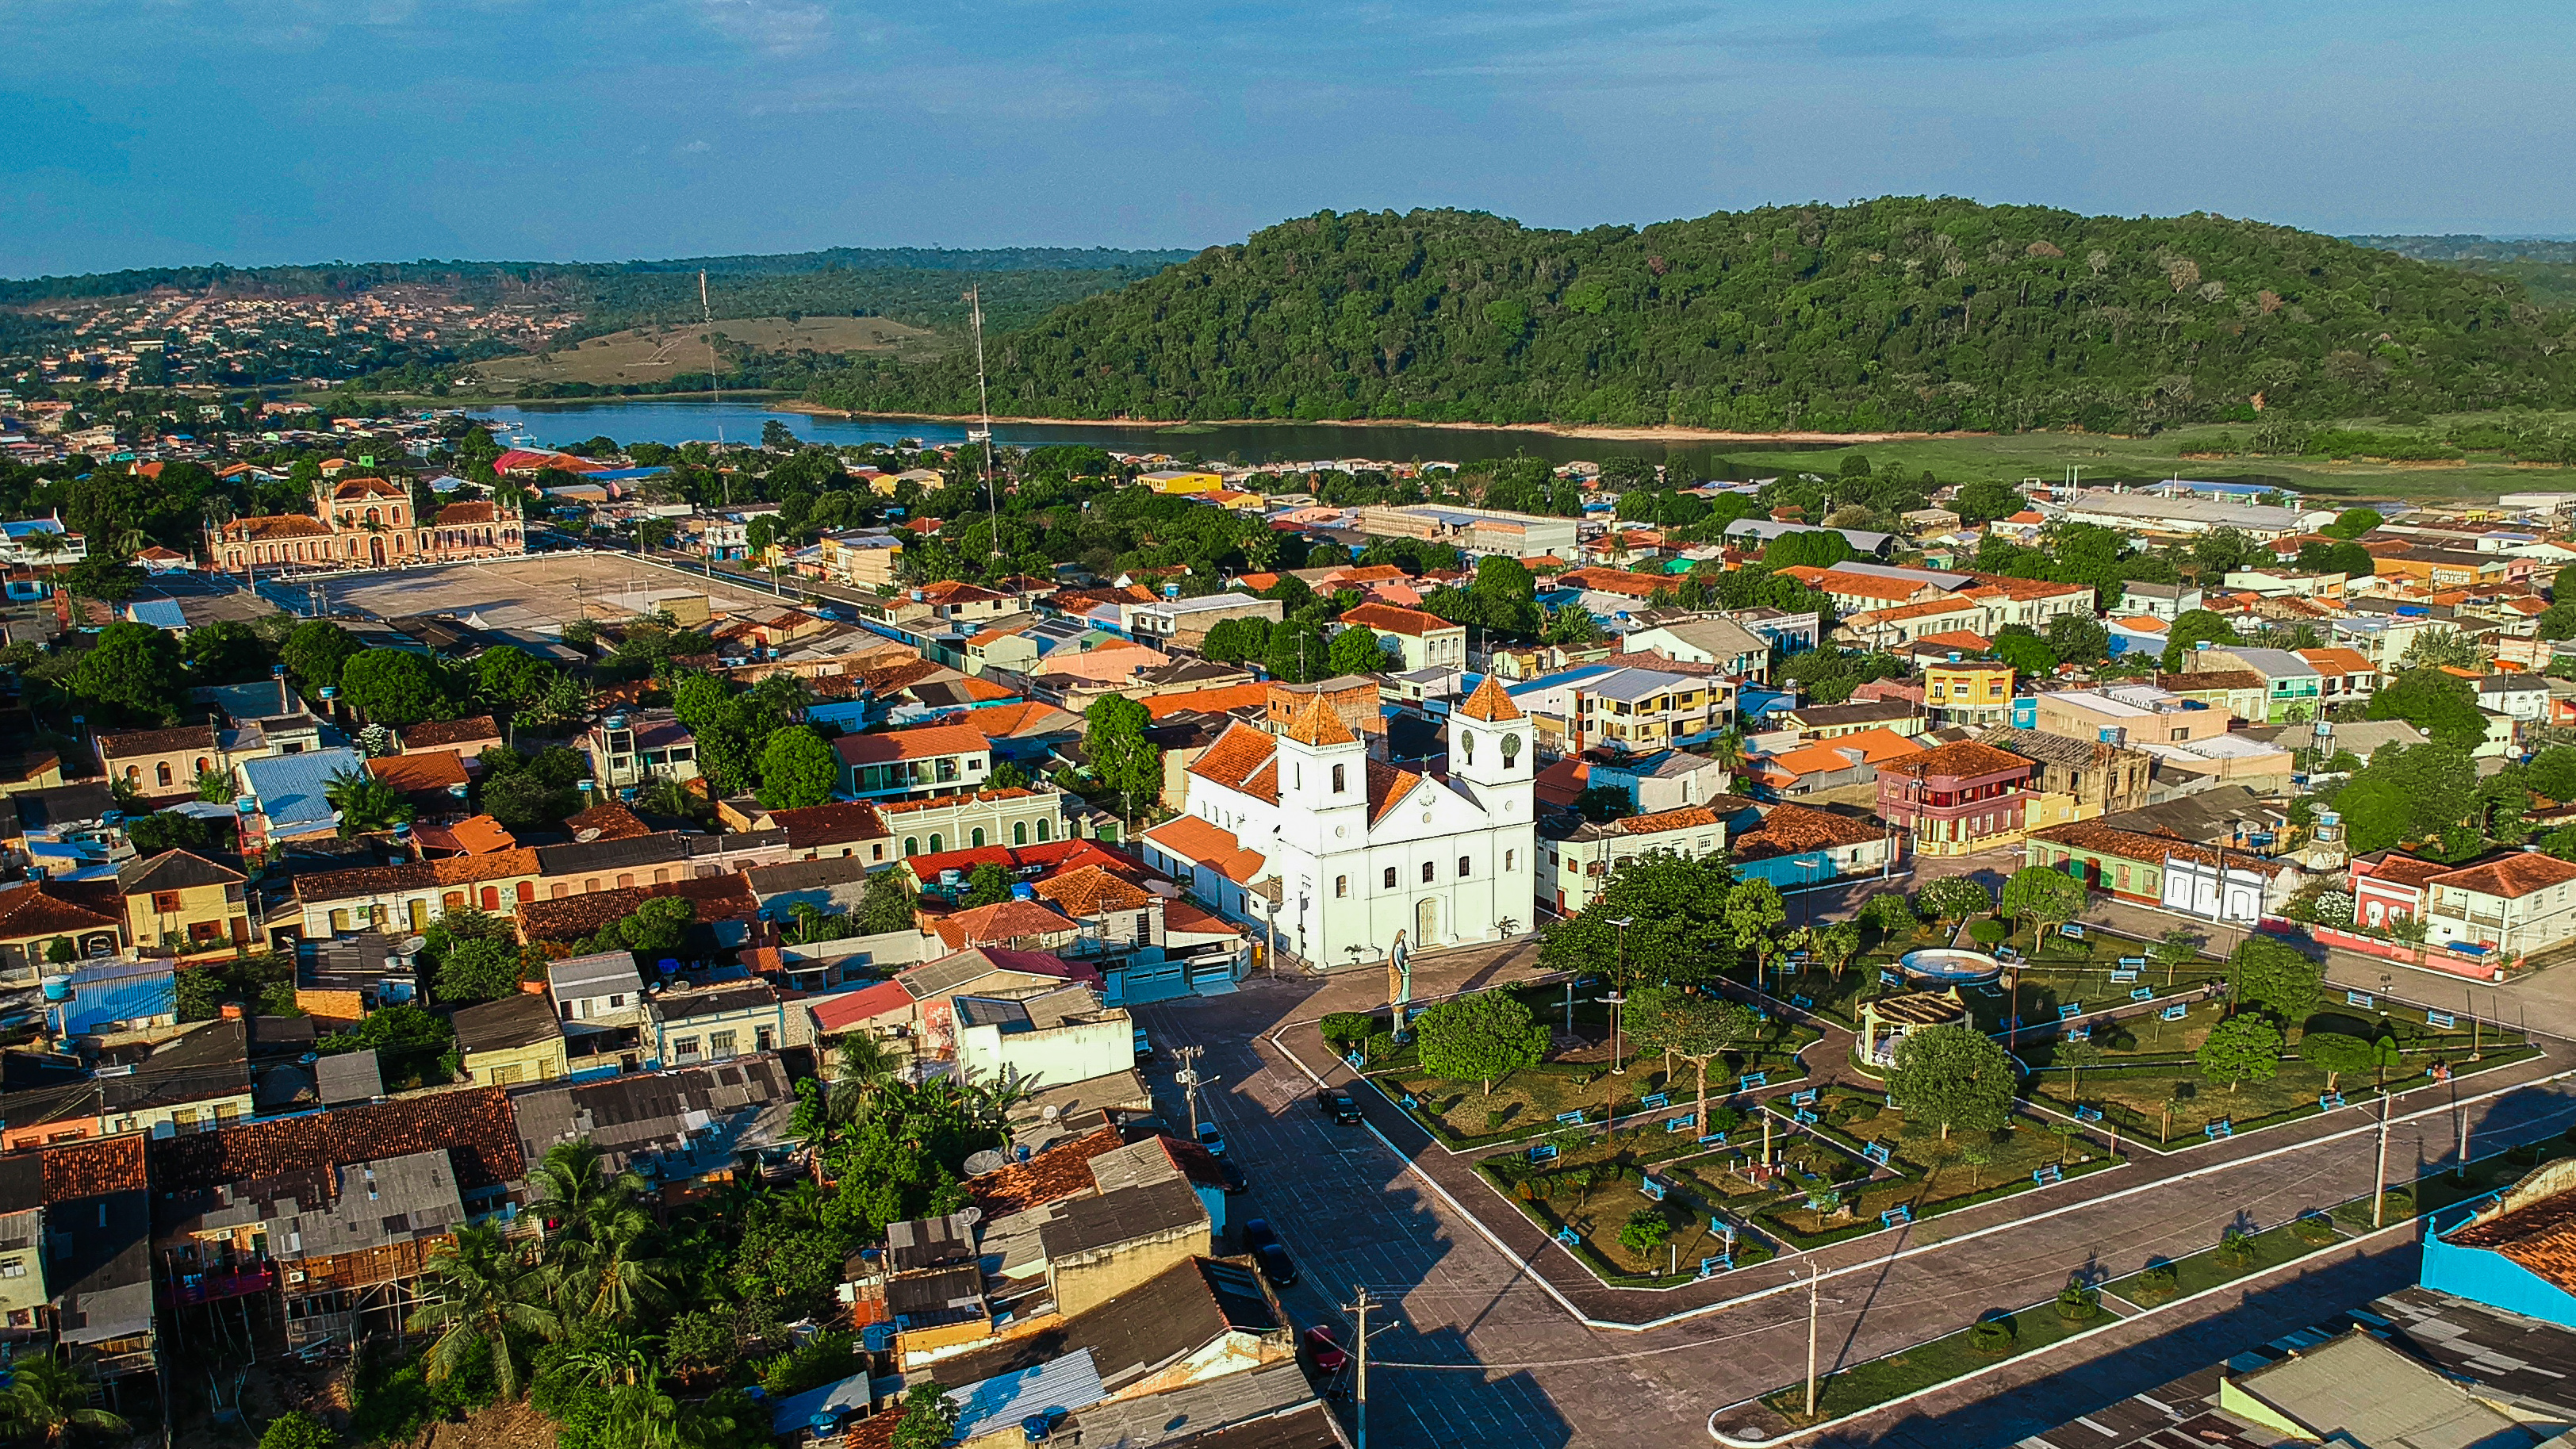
(715, 383)
(983, 432)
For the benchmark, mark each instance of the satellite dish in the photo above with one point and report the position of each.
(586, 834)
(1050, 1112)
(970, 1216)
(412, 946)
(983, 1162)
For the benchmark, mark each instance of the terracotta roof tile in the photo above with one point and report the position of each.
(26, 909)
(1060, 1172)
(428, 773)
(1319, 724)
(473, 835)
(1224, 699)
(942, 802)
(612, 820)
(2510, 876)
(434, 734)
(1236, 757)
(1959, 759)
(1795, 829)
(1391, 619)
(94, 1168)
(1387, 788)
(474, 1125)
(1089, 891)
(714, 898)
(1490, 702)
(156, 742)
(369, 880)
(1205, 843)
(2110, 840)
(1000, 923)
(926, 742)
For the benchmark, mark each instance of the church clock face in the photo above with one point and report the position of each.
(1511, 749)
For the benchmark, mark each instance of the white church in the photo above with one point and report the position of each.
(1357, 853)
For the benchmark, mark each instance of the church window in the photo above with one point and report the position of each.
(1467, 742)
(1427, 876)
(1462, 867)
(1508, 859)
(1340, 780)
(1341, 886)
(1390, 877)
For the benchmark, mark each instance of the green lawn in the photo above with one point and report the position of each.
(1848, 1391)
(1527, 1103)
(2168, 1101)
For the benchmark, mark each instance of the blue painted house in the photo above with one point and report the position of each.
(2518, 1252)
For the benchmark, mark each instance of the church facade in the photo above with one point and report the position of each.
(1360, 855)
(367, 523)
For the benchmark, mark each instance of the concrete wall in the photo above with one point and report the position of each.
(1098, 1277)
(1075, 1052)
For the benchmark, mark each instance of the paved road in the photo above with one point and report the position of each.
(1513, 1366)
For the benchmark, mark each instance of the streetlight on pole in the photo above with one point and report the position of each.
(1618, 996)
(1815, 1274)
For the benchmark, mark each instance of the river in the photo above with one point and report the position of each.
(682, 421)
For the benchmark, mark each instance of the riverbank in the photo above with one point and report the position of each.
(1664, 433)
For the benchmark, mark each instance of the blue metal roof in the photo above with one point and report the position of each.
(1057, 1386)
(159, 613)
(289, 787)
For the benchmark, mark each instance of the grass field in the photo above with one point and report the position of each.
(1850, 1390)
(660, 354)
(2110, 459)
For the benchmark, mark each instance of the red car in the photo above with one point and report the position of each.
(1329, 1357)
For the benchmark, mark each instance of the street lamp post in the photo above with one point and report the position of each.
(1618, 993)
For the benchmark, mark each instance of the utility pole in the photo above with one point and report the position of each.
(2379, 1174)
(1360, 1346)
(1815, 1274)
(1190, 1081)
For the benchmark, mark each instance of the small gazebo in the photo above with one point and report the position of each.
(1884, 1021)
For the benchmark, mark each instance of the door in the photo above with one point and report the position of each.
(1426, 921)
(376, 552)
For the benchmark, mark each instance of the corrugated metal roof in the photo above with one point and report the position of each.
(1059, 1386)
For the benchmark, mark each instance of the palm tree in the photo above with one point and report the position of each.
(366, 804)
(47, 1399)
(595, 1260)
(865, 1065)
(990, 1103)
(616, 1359)
(488, 1296)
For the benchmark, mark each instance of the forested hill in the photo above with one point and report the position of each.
(580, 278)
(1897, 313)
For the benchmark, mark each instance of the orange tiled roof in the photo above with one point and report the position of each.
(1490, 703)
(2339, 661)
(923, 743)
(839, 823)
(1220, 700)
(2109, 840)
(612, 820)
(942, 802)
(93, 1168)
(474, 835)
(1000, 922)
(428, 773)
(270, 527)
(1236, 758)
(2398, 868)
(1089, 891)
(434, 733)
(1685, 818)
(1060, 1172)
(2518, 874)
(1875, 746)
(1795, 829)
(368, 880)
(1387, 787)
(27, 911)
(458, 515)
(1207, 844)
(1616, 581)
(1319, 724)
(1392, 619)
(1958, 759)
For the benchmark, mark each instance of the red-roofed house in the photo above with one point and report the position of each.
(915, 764)
(1425, 640)
(1956, 799)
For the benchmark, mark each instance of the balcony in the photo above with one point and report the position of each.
(196, 1288)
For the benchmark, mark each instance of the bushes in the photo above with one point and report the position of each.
(2078, 1301)
(1992, 1336)
(1989, 934)
(1344, 1029)
(2155, 1284)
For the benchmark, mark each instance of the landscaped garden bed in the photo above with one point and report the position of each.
(1633, 1223)
(1993, 1338)
(1531, 1102)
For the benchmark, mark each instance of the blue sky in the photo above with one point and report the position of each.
(301, 130)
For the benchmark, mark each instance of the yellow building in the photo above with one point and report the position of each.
(513, 1040)
(1968, 694)
(184, 903)
(1180, 480)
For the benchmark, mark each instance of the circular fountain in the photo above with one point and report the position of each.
(1947, 966)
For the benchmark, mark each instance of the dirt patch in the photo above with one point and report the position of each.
(661, 354)
(494, 1426)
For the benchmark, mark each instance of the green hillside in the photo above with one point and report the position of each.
(1900, 313)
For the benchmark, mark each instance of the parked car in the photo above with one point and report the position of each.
(1144, 1048)
(1327, 1352)
(1211, 1139)
(1257, 1231)
(1337, 1104)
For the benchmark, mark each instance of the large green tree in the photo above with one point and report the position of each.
(132, 673)
(315, 652)
(2267, 975)
(397, 687)
(797, 768)
(1694, 1026)
(1113, 738)
(1674, 907)
(2442, 705)
(2240, 1049)
(1952, 1077)
(1479, 1038)
(2043, 897)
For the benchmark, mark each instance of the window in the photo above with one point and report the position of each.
(14, 1268)
(1020, 832)
(527, 890)
(1510, 860)
(162, 770)
(491, 898)
(935, 844)
(166, 902)
(762, 1040)
(1390, 877)
(876, 852)
(626, 880)
(1045, 832)
(1341, 886)
(1426, 873)
(684, 1048)
(1340, 779)
(339, 923)
(721, 1043)
(911, 845)
(1462, 867)
(977, 839)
